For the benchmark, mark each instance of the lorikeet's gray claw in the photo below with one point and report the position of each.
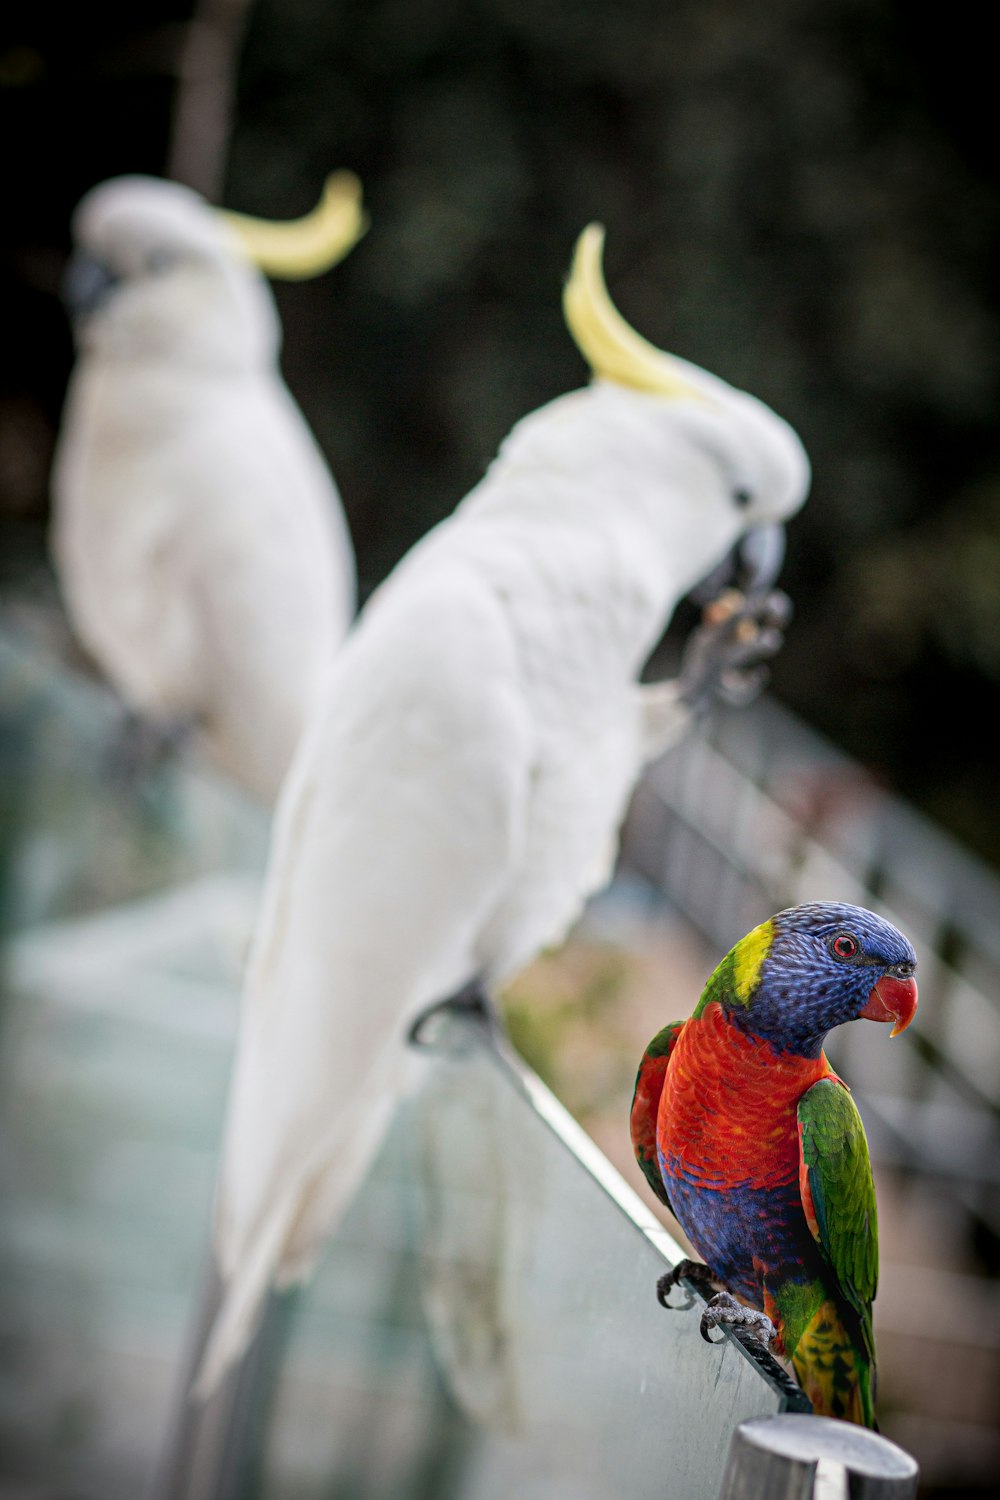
(724, 1310)
(685, 1270)
(725, 656)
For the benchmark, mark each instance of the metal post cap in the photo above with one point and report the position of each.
(768, 1455)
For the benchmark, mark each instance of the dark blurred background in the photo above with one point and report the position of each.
(801, 196)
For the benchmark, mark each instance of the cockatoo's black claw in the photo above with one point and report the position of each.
(777, 609)
(143, 746)
(471, 1000)
(724, 658)
(737, 689)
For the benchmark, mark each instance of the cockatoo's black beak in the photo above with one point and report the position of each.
(751, 567)
(761, 555)
(85, 283)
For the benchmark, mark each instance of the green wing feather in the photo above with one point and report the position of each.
(646, 1104)
(838, 1194)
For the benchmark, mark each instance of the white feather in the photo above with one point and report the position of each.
(458, 794)
(198, 536)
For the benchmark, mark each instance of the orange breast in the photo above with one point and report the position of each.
(727, 1115)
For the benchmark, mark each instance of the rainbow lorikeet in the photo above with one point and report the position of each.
(752, 1141)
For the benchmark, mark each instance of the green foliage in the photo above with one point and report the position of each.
(562, 1018)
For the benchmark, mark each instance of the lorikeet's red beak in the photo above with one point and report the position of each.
(892, 1000)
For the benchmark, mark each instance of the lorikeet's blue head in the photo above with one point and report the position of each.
(810, 968)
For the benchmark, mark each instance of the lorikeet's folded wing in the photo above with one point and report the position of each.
(838, 1194)
(646, 1103)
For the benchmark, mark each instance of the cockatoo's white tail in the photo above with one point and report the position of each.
(347, 855)
(283, 1251)
(236, 1320)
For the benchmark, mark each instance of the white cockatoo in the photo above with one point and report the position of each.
(198, 536)
(458, 793)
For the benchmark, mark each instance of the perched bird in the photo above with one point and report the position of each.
(458, 793)
(198, 536)
(755, 1145)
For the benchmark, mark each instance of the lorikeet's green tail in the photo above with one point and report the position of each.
(835, 1373)
(837, 1344)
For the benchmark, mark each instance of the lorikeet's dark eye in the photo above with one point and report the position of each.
(742, 497)
(844, 946)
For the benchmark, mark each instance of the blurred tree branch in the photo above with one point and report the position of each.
(203, 113)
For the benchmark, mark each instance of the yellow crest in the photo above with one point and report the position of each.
(300, 248)
(611, 346)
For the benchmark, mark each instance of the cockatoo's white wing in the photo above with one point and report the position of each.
(207, 566)
(111, 536)
(378, 889)
(271, 571)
